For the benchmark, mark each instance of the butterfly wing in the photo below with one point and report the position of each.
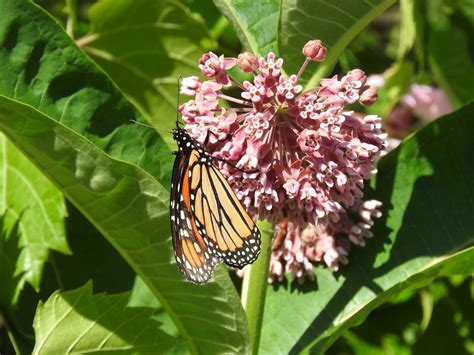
(208, 221)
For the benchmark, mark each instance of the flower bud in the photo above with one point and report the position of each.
(355, 75)
(315, 50)
(368, 96)
(248, 62)
(189, 85)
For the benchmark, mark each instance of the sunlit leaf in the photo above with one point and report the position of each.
(145, 45)
(65, 114)
(32, 206)
(130, 209)
(255, 22)
(79, 322)
(428, 196)
(41, 66)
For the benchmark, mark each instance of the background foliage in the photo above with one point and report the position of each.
(85, 253)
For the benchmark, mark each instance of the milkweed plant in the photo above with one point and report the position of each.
(308, 153)
(344, 128)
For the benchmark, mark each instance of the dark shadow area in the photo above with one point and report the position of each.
(295, 286)
(68, 83)
(110, 116)
(11, 37)
(437, 219)
(32, 66)
(10, 255)
(93, 258)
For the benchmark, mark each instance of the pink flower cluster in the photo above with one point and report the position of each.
(292, 155)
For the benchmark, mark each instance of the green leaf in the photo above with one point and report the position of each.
(255, 22)
(79, 322)
(66, 115)
(130, 209)
(451, 64)
(407, 27)
(448, 47)
(40, 65)
(36, 209)
(428, 196)
(144, 45)
(335, 23)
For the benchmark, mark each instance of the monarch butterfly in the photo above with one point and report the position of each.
(208, 222)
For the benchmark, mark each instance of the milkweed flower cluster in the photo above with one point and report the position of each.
(292, 155)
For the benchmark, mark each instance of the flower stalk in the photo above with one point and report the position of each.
(254, 286)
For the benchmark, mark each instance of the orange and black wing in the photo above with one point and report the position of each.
(208, 222)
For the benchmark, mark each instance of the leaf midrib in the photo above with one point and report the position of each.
(362, 307)
(168, 308)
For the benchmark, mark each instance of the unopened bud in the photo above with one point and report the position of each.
(315, 50)
(247, 61)
(368, 96)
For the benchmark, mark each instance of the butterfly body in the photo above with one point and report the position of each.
(208, 222)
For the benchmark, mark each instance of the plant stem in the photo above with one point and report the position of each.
(71, 24)
(254, 287)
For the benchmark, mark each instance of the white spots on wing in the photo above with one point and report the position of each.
(197, 247)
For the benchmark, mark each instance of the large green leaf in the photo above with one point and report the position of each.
(40, 65)
(428, 196)
(66, 115)
(31, 204)
(144, 45)
(336, 23)
(78, 322)
(130, 209)
(255, 22)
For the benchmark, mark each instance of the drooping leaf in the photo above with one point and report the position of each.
(66, 115)
(130, 209)
(32, 205)
(336, 23)
(145, 45)
(40, 65)
(79, 322)
(255, 22)
(428, 196)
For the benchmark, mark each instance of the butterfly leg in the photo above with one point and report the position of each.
(209, 133)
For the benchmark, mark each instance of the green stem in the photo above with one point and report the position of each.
(71, 24)
(254, 287)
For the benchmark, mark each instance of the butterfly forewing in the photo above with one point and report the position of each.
(208, 222)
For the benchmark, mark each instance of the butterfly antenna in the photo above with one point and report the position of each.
(149, 126)
(177, 102)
